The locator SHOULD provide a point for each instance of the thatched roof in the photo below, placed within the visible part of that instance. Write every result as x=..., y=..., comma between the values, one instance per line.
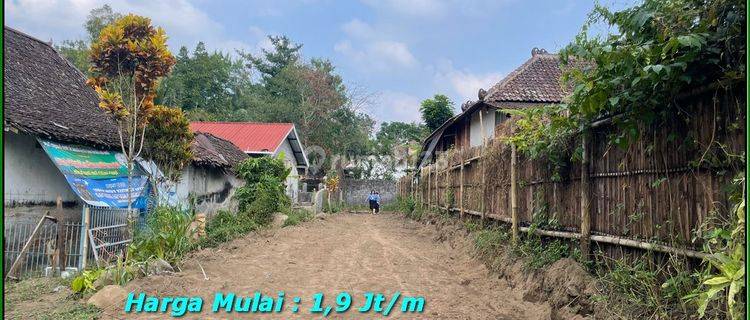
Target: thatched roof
x=48, y=97
x=212, y=151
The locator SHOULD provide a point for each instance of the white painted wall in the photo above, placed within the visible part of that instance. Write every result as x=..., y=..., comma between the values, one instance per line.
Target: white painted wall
x=211, y=186
x=475, y=127
x=292, y=182
x=30, y=175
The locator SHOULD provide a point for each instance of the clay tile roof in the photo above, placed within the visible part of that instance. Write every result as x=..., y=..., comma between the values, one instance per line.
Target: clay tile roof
x=210, y=150
x=48, y=97
x=537, y=80
x=250, y=137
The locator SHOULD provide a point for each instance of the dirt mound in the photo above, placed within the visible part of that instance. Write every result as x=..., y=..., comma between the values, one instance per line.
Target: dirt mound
x=565, y=284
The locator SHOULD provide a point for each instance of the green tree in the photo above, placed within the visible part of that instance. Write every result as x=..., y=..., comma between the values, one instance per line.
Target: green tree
x=77, y=51
x=202, y=80
x=436, y=111
x=169, y=141
x=99, y=18
x=127, y=62
x=271, y=62
x=396, y=133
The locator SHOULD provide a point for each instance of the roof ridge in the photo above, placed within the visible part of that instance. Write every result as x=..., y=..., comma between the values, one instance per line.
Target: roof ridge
x=513, y=74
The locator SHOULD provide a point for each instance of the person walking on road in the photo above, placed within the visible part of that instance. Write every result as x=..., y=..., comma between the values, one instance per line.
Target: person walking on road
x=374, y=200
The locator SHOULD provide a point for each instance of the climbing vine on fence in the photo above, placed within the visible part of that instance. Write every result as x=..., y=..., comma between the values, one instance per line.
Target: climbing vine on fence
x=659, y=50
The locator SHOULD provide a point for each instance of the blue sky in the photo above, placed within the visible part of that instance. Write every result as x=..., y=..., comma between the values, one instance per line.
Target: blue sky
x=400, y=51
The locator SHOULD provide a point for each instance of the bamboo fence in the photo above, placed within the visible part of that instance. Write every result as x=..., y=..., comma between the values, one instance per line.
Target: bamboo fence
x=655, y=195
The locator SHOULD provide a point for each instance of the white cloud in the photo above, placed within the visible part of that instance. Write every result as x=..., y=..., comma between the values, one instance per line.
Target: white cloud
x=396, y=106
x=462, y=82
x=372, y=51
x=358, y=29
x=411, y=8
x=436, y=9
x=60, y=20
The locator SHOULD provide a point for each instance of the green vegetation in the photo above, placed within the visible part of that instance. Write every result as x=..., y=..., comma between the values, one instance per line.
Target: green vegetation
x=165, y=236
x=264, y=191
x=226, y=226
x=168, y=141
x=297, y=216
x=436, y=111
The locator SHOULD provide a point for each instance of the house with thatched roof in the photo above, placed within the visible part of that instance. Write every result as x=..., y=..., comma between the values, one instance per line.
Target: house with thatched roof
x=48, y=103
x=209, y=182
x=45, y=97
x=537, y=82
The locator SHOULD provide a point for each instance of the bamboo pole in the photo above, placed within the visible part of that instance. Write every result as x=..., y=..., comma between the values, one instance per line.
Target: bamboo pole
x=513, y=195
x=461, y=187
x=610, y=239
x=429, y=186
x=86, y=226
x=61, y=260
x=585, y=193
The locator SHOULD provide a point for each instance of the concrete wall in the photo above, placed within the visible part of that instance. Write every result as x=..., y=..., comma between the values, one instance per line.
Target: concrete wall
x=30, y=175
x=210, y=188
x=292, y=182
x=32, y=182
x=475, y=127
x=355, y=191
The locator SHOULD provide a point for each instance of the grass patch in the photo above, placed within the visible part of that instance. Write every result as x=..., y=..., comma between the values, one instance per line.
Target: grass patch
x=297, y=216
x=226, y=226
x=35, y=298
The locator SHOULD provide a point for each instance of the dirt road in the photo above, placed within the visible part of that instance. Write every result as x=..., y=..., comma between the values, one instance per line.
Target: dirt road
x=346, y=252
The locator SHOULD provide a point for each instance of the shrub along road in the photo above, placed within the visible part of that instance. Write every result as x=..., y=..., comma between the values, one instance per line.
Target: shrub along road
x=345, y=252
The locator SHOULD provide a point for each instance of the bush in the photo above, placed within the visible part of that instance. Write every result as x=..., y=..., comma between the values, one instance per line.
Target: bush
x=297, y=216
x=225, y=226
x=264, y=189
x=166, y=236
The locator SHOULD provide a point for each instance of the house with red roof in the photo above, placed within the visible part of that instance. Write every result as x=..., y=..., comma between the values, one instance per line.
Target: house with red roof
x=264, y=139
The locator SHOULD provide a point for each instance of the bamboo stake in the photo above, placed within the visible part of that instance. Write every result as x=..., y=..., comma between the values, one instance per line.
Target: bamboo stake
x=461, y=187
x=585, y=193
x=61, y=260
x=513, y=193
x=86, y=226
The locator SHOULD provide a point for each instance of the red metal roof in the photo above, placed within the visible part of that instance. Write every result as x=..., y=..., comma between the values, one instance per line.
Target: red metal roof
x=250, y=137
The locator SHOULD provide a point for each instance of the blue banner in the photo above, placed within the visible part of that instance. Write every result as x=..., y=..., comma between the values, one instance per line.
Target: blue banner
x=98, y=177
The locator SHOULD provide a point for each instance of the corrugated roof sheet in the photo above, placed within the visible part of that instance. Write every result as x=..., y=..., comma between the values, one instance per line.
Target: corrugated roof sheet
x=250, y=137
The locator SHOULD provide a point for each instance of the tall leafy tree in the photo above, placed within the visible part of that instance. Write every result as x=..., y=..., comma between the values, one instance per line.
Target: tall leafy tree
x=436, y=111
x=77, y=51
x=202, y=80
x=127, y=62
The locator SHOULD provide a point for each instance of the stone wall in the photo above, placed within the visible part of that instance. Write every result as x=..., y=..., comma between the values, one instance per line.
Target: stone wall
x=355, y=191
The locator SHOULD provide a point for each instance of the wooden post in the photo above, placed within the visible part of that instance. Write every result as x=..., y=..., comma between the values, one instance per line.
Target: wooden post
x=60, y=262
x=484, y=166
x=513, y=195
x=585, y=193
x=86, y=226
x=429, y=186
x=461, y=187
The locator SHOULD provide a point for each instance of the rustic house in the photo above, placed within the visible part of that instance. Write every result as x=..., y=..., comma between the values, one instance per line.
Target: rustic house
x=46, y=97
x=210, y=181
x=536, y=82
x=264, y=139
